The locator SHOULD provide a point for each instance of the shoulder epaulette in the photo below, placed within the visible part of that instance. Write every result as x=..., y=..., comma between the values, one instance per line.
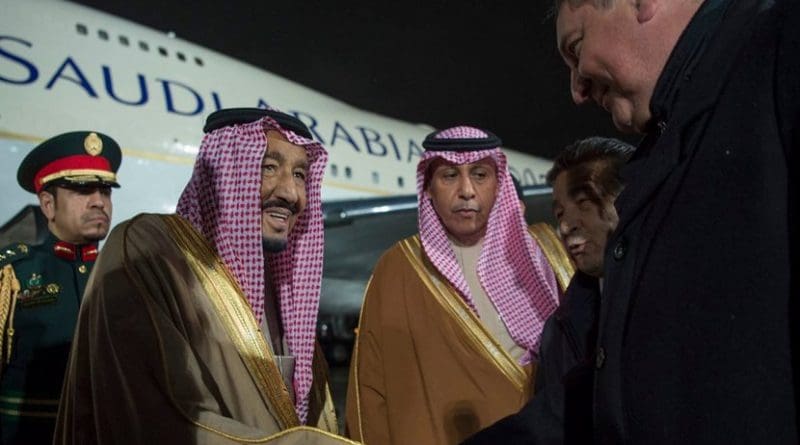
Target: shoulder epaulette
x=14, y=252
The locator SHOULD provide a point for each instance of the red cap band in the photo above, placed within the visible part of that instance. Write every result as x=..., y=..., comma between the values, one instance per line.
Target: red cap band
x=71, y=166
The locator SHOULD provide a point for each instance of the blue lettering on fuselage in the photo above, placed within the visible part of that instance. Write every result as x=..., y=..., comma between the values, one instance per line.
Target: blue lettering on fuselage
x=170, y=102
x=394, y=145
x=372, y=139
x=182, y=99
x=311, y=123
x=217, y=102
x=33, y=73
x=339, y=132
x=109, y=83
x=79, y=80
x=413, y=150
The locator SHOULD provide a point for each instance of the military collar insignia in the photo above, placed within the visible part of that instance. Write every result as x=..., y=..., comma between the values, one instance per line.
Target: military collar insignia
x=89, y=253
x=65, y=250
x=69, y=252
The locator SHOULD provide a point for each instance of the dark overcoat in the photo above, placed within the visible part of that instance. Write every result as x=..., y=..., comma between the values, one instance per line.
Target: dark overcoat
x=698, y=321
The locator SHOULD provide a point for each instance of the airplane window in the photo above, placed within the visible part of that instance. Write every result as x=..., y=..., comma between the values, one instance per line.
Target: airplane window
x=375, y=177
x=143, y=46
x=102, y=34
x=162, y=51
x=124, y=41
x=181, y=57
x=334, y=170
x=198, y=61
x=81, y=28
x=400, y=182
x=348, y=172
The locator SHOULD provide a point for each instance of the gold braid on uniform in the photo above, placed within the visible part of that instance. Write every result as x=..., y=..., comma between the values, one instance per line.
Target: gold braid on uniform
x=9, y=290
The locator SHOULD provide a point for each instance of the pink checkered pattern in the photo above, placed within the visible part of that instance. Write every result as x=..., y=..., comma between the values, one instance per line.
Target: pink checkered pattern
x=222, y=201
x=512, y=268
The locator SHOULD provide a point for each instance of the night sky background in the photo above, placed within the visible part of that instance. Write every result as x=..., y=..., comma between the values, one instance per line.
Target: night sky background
x=489, y=64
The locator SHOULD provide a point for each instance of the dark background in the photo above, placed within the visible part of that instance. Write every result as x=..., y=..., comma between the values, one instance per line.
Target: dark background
x=490, y=64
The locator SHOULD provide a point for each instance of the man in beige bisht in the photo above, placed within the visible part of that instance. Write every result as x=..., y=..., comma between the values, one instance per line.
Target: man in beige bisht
x=199, y=327
x=451, y=318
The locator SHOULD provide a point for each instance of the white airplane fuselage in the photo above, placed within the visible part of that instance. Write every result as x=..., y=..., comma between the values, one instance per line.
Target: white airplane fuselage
x=65, y=67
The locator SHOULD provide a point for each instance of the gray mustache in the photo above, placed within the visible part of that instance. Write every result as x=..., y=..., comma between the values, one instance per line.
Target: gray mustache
x=272, y=203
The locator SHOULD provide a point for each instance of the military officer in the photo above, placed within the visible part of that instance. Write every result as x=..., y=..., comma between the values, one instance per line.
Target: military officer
x=41, y=286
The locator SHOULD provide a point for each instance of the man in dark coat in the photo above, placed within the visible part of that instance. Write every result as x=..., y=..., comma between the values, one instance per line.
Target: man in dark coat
x=697, y=338
x=41, y=286
x=586, y=180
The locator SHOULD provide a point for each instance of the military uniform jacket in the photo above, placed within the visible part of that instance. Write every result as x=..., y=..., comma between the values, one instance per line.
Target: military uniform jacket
x=37, y=334
x=698, y=325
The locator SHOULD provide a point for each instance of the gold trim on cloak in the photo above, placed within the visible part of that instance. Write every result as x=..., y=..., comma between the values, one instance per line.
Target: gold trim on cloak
x=236, y=316
x=450, y=299
x=315, y=430
x=239, y=321
x=354, y=367
x=554, y=251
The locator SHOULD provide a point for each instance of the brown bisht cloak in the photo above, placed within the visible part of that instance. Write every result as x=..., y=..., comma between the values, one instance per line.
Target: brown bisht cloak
x=168, y=351
x=424, y=368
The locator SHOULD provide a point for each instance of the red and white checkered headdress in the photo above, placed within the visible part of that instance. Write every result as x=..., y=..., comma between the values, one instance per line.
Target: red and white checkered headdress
x=512, y=268
x=222, y=201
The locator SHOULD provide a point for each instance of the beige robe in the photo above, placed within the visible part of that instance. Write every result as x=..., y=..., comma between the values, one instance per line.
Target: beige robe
x=167, y=351
x=424, y=369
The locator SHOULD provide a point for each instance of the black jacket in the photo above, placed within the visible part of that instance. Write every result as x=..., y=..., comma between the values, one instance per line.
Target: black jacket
x=698, y=323
x=561, y=409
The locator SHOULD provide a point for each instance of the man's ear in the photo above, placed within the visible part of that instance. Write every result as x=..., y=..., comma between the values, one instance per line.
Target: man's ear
x=646, y=10
x=47, y=202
